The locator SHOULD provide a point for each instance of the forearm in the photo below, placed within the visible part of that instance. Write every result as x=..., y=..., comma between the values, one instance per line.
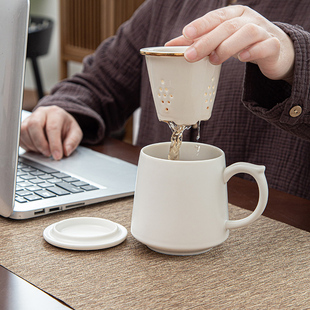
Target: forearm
x=284, y=105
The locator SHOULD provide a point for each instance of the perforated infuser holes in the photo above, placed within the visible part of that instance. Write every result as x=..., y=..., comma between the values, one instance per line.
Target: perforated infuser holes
x=209, y=94
x=165, y=96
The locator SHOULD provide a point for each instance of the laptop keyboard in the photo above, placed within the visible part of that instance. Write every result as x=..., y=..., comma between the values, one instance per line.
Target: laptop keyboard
x=36, y=182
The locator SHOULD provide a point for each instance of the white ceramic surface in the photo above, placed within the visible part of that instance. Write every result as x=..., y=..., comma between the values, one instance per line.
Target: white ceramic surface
x=183, y=92
x=181, y=206
x=85, y=233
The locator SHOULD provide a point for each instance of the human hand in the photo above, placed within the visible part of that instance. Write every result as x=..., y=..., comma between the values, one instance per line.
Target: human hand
x=240, y=32
x=51, y=131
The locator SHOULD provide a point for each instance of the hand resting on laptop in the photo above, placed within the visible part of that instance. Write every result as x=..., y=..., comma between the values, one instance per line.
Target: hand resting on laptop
x=51, y=131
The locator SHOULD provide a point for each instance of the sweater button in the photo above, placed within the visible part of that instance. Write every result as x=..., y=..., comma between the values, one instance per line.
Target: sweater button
x=295, y=111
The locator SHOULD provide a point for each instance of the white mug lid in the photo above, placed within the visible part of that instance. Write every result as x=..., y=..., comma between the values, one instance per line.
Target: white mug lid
x=85, y=233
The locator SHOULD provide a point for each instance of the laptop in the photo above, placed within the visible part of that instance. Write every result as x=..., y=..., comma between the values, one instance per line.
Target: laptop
x=32, y=185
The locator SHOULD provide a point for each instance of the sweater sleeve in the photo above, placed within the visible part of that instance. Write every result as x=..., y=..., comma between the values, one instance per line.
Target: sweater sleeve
x=284, y=105
x=107, y=92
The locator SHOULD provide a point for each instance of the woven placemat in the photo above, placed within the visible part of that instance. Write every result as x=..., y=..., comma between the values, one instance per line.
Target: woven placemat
x=263, y=266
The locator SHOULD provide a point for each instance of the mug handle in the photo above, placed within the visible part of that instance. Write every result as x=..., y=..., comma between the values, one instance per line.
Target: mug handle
x=257, y=172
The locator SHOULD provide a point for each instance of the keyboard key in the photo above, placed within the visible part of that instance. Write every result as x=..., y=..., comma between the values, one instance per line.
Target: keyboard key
x=33, y=197
x=20, y=199
x=33, y=188
x=46, y=185
x=36, y=181
x=89, y=187
x=19, y=173
x=54, y=180
x=18, y=188
x=45, y=194
x=58, y=191
x=60, y=175
x=24, y=193
x=23, y=184
x=70, y=179
x=27, y=177
x=36, y=172
x=28, y=169
x=79, y=183
x=45, y=176
x=69, y=187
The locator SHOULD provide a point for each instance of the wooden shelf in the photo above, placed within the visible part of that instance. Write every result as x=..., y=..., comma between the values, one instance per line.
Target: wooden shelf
x=84, y=24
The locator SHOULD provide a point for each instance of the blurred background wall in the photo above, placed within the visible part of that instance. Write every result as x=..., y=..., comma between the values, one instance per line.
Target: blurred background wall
x=49, y=64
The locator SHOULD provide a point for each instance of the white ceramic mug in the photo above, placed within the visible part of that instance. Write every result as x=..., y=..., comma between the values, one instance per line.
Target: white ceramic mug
x=181, y=206
x=183, y=92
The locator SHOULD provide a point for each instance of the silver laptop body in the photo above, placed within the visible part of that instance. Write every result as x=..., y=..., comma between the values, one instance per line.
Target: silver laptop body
x=107, y=177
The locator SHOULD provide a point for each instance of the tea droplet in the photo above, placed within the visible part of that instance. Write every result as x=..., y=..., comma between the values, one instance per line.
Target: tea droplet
x=198, y=131
x=197, y=149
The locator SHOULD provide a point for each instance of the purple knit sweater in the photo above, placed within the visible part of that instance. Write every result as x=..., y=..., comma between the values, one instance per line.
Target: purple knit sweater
x=251, y=116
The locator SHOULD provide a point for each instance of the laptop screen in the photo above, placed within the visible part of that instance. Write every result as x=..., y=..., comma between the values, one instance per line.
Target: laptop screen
x=14, y=16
